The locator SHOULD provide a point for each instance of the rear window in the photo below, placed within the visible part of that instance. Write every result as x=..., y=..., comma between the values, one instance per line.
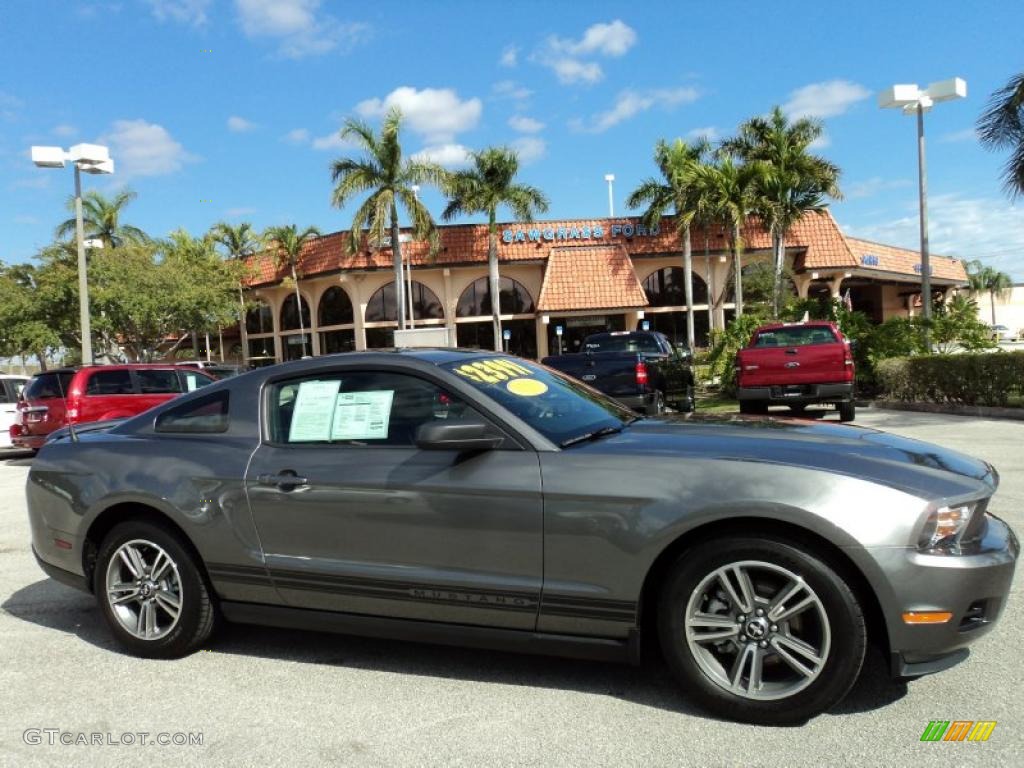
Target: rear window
x=797, y=336
x=47, y=385
x=154, y=382
x=624, y=343
x=201, y=416
x=110, y=383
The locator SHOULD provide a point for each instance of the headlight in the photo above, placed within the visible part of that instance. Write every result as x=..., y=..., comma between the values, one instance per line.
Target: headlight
x=944, y=529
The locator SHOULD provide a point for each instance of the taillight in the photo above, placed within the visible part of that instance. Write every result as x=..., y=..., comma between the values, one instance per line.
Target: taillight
x=641, y=373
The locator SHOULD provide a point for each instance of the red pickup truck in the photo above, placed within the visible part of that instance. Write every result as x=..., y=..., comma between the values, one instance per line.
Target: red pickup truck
x=796, y=364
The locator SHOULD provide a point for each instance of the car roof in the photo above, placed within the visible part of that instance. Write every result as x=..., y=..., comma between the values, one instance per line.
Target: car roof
x=808, y=324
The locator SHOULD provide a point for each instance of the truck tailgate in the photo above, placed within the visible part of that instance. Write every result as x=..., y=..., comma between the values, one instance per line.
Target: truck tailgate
x=807, y=364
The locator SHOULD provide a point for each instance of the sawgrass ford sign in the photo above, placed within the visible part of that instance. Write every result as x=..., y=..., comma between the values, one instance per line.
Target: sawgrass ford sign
x=530, y=234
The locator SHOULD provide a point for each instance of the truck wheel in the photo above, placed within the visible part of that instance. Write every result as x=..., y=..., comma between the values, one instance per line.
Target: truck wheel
x=688, y=404
x=658, y=406
x=760, y=630
x=847, y=411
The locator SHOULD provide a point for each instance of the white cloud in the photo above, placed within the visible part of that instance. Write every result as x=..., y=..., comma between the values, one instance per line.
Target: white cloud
x=510, y=89
x=447, y=155
x=236, y=213
x=967, y=134
x=435, y=113
x=298, y=25
x=708, y=133
x=144, y=149
x=239, y=124
x=10, y=106
x=25, y=218
x=296, y=136
x=529, y=148
x=827, y=99
x=871, y=187
x=821, y=142
x=182, y=11
x=509, y=56
x=989, y=229
x=525, y=124
x=565, y=56
x=630, y=103
x=331, y=141
x=64, y=130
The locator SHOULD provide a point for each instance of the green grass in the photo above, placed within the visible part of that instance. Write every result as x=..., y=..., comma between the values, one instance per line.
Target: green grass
x=713, y=402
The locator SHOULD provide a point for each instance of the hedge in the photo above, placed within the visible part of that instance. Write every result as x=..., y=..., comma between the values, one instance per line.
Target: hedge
x=966, y=379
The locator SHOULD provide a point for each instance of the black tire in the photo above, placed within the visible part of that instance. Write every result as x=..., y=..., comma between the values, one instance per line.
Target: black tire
x=847, y=411
x=658, y=406
x=843, y=616
x=753, y=406
x=197, y=613
x=798, y=409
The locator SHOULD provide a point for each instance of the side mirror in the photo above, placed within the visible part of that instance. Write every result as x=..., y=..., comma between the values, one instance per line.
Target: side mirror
x=462, y=436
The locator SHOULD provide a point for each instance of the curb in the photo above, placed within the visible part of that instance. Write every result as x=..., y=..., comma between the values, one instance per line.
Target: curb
x=977, y=411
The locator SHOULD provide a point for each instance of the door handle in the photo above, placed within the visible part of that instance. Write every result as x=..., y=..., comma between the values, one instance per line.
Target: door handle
x=286, y=480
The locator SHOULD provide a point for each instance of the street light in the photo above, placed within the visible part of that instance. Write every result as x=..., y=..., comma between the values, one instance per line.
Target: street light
x=913, y=100
x=412, y=320
x=610, y=178
x=91, y=158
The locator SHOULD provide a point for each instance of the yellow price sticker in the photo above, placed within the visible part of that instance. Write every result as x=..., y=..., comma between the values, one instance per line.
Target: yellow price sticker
x=492, y=371
x=526, y=387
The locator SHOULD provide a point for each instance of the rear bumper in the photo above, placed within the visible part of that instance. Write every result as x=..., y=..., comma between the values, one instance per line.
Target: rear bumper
x=638, y=402
x=59, y=574
x=30, y=442
x=839, y=392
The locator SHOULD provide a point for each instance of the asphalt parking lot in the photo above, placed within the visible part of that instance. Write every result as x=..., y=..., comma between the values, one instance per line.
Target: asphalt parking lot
x=272, y=697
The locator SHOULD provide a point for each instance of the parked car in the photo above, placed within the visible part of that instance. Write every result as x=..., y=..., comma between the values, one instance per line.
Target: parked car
x=640, y=369
x=1002, y=333
x=10, y=391
x=95, y=393
x=478, y=499
x=796, y=364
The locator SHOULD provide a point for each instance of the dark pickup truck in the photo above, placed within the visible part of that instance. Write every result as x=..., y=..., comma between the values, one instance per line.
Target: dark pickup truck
x=640, y=369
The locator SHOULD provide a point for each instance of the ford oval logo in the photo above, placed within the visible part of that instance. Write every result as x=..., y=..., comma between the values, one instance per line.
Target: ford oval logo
x=589, y=377
x=792, y=365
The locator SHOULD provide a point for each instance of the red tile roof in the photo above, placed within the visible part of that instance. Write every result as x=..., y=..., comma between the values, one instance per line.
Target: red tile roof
x=888, y=258
x=590, y=277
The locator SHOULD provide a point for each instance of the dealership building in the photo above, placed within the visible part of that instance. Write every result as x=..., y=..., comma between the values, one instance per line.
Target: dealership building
x=560, y=280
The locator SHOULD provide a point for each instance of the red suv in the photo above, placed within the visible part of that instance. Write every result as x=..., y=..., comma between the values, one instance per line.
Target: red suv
x=52, y=399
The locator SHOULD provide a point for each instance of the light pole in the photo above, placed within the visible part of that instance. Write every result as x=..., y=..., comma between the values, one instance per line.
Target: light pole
x=90, y=158
x=916, y=101
x=610, y=178
x=412, y=320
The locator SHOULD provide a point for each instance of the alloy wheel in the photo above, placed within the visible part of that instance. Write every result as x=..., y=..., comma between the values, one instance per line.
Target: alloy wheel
x=143, y=588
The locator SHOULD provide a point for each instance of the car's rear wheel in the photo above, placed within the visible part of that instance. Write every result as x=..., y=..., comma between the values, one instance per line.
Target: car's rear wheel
x=761, y=630
x=657, y=407
x=847, y=411
x=151, y=591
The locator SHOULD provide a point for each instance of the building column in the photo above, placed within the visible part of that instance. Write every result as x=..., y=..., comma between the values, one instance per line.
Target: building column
x=542, y=337
x=314, y=335
x=275, y=306
x=451, y=303
x=803, y=284
x=835, y=285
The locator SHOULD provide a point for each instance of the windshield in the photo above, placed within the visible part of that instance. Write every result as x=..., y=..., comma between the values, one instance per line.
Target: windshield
x=560, y=408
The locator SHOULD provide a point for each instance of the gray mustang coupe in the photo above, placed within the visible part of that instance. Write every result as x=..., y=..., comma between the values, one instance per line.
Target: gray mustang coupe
x=472, y=498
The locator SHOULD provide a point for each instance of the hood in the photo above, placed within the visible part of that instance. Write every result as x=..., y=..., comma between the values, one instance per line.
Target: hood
x=913, y=466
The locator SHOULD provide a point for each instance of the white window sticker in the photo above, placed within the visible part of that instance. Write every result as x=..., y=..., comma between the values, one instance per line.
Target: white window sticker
x=314, y=408
x=362, y=415
x=190, y=382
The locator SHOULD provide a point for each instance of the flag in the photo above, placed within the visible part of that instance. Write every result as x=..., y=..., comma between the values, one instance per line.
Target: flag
x=847, y=301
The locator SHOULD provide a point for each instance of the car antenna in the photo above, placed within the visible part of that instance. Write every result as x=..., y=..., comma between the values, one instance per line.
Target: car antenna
x=64, y=399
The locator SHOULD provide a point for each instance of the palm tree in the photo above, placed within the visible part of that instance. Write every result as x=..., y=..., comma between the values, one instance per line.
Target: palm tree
x=101, y=217
x=239, y=241
x=795, y=182
x=288, y=242
x=1002, y=125
x=983, y=278
x=490, y=183
x=730, y=194
x=390, y=181
x=676, y=189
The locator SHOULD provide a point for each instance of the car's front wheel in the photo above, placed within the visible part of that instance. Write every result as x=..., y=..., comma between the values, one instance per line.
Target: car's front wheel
x=151, y=591
x=761, y=630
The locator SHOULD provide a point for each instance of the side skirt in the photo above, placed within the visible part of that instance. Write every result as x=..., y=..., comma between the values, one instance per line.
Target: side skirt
x=464, y=635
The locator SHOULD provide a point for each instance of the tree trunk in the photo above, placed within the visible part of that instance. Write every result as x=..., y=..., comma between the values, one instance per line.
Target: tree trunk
x=396, y=250
x=778, y=243
x=195, y=345
x=688, y=287
x=41, y=357
x=737, y=269
x=712, y=296
x=298, y=307
x=992, y=302
x=494, y=282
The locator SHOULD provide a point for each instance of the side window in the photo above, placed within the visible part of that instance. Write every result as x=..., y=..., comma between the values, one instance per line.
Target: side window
x=157, y=382
x=192, y=381
x=7, y=394
x=110, y=383
x=200, y=416
x=359, y=408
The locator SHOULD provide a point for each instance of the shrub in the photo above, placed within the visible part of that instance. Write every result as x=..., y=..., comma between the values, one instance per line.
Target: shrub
x=967, y=379
x=725, y=345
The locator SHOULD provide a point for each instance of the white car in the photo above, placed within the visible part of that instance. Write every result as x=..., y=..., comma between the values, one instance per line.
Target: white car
x=1002, y=333
x=10, y=389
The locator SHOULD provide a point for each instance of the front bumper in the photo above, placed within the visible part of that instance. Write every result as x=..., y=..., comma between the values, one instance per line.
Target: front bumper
x=973, y=588
x=839, y=392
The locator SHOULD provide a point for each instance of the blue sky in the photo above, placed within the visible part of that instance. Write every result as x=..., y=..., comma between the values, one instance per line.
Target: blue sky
x=230, y=109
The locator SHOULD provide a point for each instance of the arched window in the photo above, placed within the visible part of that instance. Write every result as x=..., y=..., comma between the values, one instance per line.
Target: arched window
x=335, y=308
x=260, y=319
x=476, y=299
x=381, y=307
x=665, y=288
x=290, y=318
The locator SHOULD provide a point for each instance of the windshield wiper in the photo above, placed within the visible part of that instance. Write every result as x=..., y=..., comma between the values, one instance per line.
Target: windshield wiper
x=590, y=436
